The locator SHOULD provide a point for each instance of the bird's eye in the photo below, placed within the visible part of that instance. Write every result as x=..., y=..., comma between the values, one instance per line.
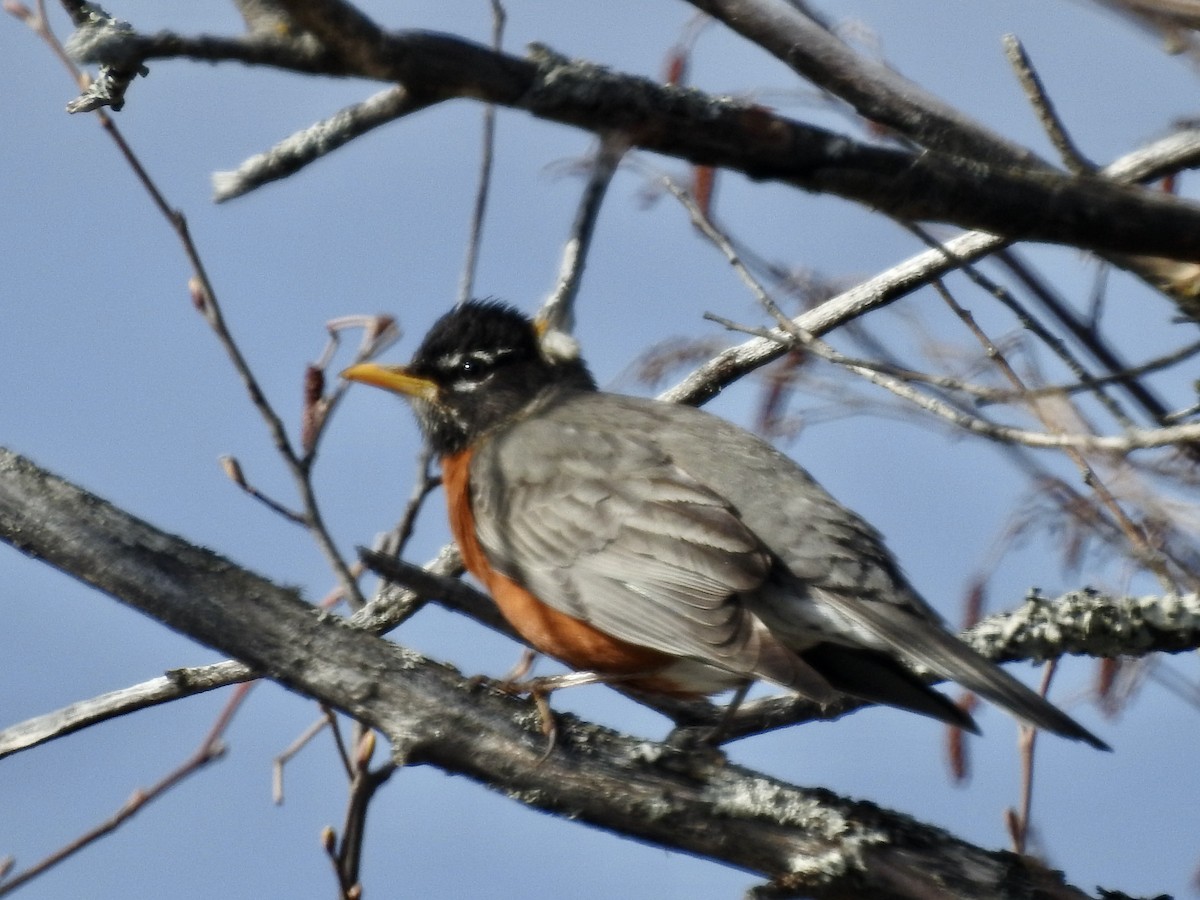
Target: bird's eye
x=467, y=369
x=470, y=369
x=473, y=367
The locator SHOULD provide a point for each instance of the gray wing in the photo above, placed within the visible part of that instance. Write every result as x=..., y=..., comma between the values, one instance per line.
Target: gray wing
x=823, y=546
x=598, y=522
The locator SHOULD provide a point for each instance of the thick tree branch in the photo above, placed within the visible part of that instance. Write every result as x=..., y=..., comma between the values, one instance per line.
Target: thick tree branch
x=1090, y=623
x=807, y=841
x=876, y=92
x=1020, y=203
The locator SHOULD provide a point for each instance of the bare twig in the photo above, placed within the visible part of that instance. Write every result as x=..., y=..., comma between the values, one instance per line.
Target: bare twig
x=233, y=470
x=1083, y=332
x=985, y=394
x=466, y=284
x=211, y=748
x=392, y=543
x=364, y=782
x=1186, y=413
x=424, y=484
x=285, y=756
x=205, y=300
x=1019, y=818
x=1139, y=439
x=1056, y=344
x=1044, y=107
x=175, y=685
x=557, y=314
x=316, y=141
x=877, y=92
x=1125, y=376
x=1138, y=540
x=378, y=332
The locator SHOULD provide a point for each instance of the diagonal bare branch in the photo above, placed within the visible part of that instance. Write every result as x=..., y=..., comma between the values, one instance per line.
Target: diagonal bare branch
x=1177, y=150
x=876, y=92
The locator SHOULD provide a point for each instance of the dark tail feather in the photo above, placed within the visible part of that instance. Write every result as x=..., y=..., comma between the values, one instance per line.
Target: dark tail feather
x=873, y=676
x=941, y=652
x=988, y=680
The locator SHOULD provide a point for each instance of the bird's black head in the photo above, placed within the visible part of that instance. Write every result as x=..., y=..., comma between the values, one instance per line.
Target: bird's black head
x=480, y=365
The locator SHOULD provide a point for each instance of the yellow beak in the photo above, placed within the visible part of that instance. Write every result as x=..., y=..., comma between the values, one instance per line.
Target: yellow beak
x=396, y=379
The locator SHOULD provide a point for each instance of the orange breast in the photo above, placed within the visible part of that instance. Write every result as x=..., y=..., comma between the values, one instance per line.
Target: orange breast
x=554, y=633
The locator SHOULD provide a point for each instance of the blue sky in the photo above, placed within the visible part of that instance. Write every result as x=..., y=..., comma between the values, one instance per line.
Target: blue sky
x=112, y=380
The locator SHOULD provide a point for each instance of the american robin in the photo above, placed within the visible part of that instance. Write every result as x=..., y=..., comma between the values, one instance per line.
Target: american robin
x=664, y=546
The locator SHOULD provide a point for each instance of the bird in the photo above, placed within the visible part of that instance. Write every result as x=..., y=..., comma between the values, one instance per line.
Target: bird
x=663, y=546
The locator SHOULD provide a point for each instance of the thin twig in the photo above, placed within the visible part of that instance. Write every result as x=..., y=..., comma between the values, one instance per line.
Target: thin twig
x=285, y=756
x=211, y=748
x=1082, y=331
x=339, y=742
x=175, y=685
x=392, y=543
x=1138, y=439
x=1070, y=154
x=1056, y=345
x=1167, y=155
x=1123, y=377
x=233, y=470
x=364, y=782
x=1186, y=413
x=466, y=284
x=205, y=299
x=1138, y=541
x=378, y=332
x=296, y=464
x=316, y=141
x=1019, y=819
x=558, y=312
x=1186, y=688
x=423, y=485
x=984, y=394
